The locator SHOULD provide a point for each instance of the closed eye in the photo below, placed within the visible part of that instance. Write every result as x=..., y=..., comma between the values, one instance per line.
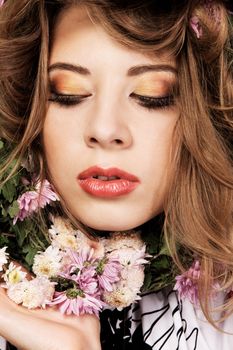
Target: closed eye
x=149, y=102
x=153, y=103
x=66, y=100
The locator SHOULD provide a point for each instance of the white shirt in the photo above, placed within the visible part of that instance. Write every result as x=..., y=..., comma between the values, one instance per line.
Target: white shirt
x=171, y=324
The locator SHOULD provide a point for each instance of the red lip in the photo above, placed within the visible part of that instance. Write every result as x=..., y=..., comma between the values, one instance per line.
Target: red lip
x=124, y=184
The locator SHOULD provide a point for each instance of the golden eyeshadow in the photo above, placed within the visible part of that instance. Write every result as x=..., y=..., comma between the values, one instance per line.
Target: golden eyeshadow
x=67, y=85
x=154, y=86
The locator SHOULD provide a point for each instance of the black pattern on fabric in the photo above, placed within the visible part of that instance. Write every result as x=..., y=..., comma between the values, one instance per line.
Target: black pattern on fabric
x=153, y=323
x=115, y=331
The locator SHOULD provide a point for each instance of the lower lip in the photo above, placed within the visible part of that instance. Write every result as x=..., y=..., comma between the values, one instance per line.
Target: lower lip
x=107, y=189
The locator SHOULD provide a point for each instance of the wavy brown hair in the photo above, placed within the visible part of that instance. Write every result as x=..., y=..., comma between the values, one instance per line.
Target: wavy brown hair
x=198, y=207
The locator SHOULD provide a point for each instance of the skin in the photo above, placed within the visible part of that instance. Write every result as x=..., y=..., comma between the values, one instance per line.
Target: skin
x=32, y=329
x=109, y=129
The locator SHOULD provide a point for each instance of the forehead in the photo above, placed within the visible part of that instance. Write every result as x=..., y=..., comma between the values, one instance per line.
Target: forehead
x=77, y=36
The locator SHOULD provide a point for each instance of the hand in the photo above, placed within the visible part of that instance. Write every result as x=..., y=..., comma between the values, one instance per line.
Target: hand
x=46, y=329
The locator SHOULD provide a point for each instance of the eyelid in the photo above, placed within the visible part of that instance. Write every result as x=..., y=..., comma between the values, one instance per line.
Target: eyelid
x=136, y=96
x=65, y=89
x=69, y=95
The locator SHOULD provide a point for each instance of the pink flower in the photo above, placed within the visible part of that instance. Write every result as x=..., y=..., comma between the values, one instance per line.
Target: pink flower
x=31, y=201
x=108, y=272
x=195, y=24
x=81, y=261
x=81, y=270
x=186, y=284
x=1, y=2
x=213, y=11
x=75, y=301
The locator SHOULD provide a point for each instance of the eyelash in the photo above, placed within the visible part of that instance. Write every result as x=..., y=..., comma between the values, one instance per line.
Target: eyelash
x=148, y=102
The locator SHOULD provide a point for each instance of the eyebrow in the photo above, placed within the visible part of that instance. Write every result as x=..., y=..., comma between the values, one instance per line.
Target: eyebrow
x=133, y=71
x=137, y=70
x=70, y=67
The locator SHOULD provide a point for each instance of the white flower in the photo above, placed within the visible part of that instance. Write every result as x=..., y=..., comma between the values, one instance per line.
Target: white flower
x=32, y=294
x=134, y=278
x=121, y=296
x=64, y=236
x=64, y=240
x=125, y=291
x=60, y=225
x=127, y=239
x=3, y=257
x=47, y=263
x=14, y=274
x=16, y=291
x=130, y=256
x=38, y=293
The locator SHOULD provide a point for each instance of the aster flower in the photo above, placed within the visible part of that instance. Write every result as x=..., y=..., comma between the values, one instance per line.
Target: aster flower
x=81, y=260
x=213, y=11
x=127, y=289
x=134, y=278
x=30, y=201
x=3, y=257
x=81, y=269
x=79, y=281
x=15, y=291
x=120, y=297
x=39, y=292
x=128, y=256
x=14, y=274
x=64, y=236
x=108, y=272
x=76, y=301
x=187, y=283
x=119, y=240
x=47, y=263
x=32, y=294
x=195, y=25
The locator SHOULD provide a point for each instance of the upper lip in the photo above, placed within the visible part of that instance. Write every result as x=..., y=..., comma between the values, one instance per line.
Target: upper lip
x=97, y=171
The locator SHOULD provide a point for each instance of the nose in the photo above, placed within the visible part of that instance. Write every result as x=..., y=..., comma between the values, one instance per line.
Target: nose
x=108, y=128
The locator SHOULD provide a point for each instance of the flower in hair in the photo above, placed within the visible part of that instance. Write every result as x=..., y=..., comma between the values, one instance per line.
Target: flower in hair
x=187, y=283
x=195, y=24
x=212, y=10
x=1, y=2
x=30, y=201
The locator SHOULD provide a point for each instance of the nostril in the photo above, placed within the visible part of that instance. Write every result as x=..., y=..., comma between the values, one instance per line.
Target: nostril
x=93, y=140
x=118, y=141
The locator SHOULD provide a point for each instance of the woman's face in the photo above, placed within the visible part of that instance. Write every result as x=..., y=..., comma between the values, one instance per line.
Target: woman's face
x=108, y=129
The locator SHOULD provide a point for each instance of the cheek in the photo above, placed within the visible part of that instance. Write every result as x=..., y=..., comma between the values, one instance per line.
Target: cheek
x=59, y=139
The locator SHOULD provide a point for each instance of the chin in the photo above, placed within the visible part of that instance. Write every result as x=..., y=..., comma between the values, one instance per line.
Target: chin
x=114, y=225
x=108, y=217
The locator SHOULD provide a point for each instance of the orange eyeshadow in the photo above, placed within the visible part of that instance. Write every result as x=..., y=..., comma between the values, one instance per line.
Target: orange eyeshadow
x=157, y=85
x=65, y=84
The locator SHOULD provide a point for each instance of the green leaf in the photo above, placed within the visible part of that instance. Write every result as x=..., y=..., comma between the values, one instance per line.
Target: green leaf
x=13, y=209
x=9, y=191
x=4, y=212
x=164, y=250
x=22, y=231
x=1, y=144
x=30, y=256
x=3, y=241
